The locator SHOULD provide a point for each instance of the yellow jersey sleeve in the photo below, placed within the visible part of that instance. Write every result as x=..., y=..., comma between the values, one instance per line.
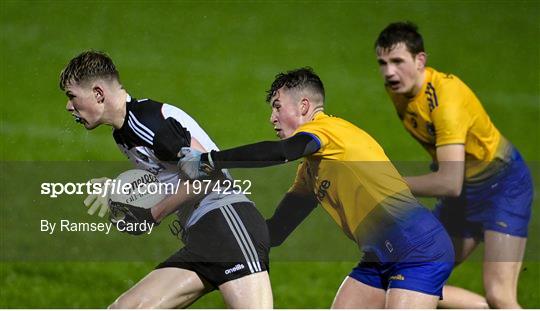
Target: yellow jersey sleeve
x=449, y=114
x=326, y=133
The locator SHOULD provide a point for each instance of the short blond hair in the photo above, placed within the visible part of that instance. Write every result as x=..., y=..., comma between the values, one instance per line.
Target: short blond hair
x=87, y=66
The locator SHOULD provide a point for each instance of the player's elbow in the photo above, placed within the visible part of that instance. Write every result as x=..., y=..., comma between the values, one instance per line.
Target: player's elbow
x=276, y=239
x=450, y=182
x=276, y=242
x=275, y=235
x=454, y=192
x=453, y=189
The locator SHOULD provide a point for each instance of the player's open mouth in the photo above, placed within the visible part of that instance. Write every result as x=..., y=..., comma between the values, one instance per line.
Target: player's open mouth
x=277, y=131
x=78, y=119
x=392, y=83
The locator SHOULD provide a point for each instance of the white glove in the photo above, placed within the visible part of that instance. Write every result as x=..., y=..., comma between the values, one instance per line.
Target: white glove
x=98, y=201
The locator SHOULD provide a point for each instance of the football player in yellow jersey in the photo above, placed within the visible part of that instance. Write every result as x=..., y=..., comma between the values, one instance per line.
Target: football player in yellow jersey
x=484, y=187
x=408, y=255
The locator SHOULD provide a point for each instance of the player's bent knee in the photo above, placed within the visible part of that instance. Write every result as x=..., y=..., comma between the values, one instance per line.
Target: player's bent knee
x=128, y=301
x=501, y=300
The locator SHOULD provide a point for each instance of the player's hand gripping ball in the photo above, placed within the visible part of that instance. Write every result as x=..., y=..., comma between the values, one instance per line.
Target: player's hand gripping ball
x=132, y=195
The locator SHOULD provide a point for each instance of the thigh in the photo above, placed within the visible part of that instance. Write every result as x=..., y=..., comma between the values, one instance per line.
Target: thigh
x=249, y=292
x=353, y=294
x=501, y=247
x=164, y=288
x=460, y=298
x=503, y=254
x=463, y=247
x=398, y=298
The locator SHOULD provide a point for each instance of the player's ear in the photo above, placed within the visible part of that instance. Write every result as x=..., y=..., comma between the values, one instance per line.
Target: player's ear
x=98, y=93
x=421, y=59
x=304, y=106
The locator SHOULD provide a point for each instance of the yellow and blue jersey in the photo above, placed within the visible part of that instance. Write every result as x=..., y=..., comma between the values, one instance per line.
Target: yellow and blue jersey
x=357, y=185
x=445, y=112
x=497, y=193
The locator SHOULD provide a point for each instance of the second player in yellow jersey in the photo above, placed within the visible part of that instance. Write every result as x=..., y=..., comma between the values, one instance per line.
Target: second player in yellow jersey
x=408, y=255
x=483, y=185
x=350, y=174
x=445, y=111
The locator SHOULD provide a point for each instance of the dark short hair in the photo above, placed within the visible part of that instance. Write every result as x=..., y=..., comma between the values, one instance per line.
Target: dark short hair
x=297, y=79
x=86, y=66
x=401, y=32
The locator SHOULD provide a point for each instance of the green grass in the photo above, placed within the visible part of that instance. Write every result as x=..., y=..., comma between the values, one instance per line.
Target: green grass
x=215, y=59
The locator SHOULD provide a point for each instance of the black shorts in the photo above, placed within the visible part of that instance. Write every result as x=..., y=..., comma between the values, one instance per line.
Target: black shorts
x=227, y=243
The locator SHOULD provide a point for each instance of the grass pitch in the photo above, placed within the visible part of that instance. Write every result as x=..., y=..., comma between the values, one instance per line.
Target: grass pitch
x=215, y=60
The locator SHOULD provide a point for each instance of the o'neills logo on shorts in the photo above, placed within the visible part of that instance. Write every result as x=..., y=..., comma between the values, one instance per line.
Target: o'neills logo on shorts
x=238, y=267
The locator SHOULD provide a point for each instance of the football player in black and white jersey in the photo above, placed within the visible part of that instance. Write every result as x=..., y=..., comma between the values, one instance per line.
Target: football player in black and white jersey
x=226, y=238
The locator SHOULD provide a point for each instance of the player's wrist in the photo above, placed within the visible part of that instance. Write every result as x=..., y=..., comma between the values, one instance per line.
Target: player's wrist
x=210, y=160
x=154, y=216
x=207, y=161
x=204, y=159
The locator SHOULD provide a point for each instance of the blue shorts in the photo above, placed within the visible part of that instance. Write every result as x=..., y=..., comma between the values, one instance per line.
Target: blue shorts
x=425, y=268
x=502, y=203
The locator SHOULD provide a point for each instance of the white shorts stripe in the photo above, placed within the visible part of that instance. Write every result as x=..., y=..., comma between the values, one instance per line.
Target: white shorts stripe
x=248, y=238
x=237, y=239
x=249, y=251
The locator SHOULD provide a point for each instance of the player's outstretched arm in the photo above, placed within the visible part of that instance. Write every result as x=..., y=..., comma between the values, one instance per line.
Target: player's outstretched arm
x=291, y=211
x=266, y=153
x=447, y=181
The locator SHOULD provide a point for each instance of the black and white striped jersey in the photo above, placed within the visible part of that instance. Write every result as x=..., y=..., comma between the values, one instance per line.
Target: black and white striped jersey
x=135, y=139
